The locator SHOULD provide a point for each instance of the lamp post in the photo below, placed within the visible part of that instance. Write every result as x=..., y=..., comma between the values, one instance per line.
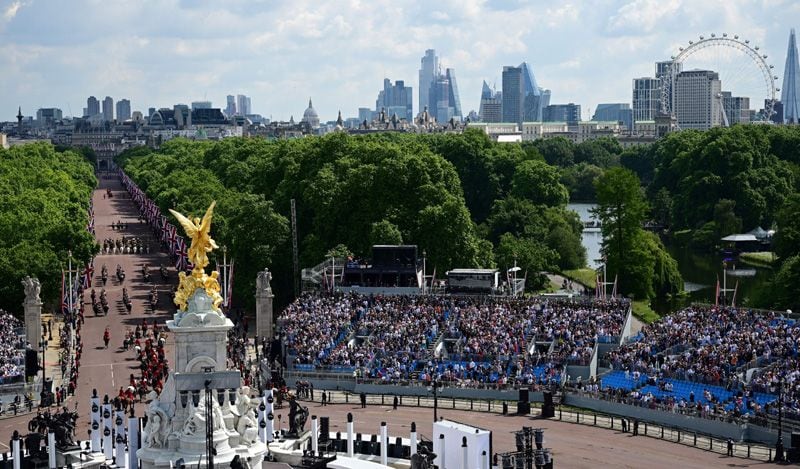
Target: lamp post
x=435, y=390
x=779, y=444
x=424, y=279
x=225, y=276
x=43, y=348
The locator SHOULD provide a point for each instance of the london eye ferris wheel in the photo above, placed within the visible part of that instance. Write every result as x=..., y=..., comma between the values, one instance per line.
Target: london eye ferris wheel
x=742, y=68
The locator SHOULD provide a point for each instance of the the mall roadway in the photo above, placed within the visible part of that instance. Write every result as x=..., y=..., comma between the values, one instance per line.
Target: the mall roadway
x=109, y=369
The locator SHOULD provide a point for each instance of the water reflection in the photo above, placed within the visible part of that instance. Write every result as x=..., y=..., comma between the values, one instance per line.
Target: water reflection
x=699, y=269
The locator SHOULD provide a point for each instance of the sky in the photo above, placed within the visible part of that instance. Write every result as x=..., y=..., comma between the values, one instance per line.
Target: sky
x=158, y=53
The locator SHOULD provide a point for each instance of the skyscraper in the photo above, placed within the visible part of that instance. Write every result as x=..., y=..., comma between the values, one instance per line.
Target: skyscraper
x=664, y=74
x=92, y=106
x=697, y=99
x=396, y=99
x=491, y=109
x=230, y=109
x=532, y=95
x=439, y=99
x=454, y=100
x=123, y=110
x=243, y=105
x=791, y=84
x=108, y=109
x=513, y=92
x=427, y=73
x=646, y=98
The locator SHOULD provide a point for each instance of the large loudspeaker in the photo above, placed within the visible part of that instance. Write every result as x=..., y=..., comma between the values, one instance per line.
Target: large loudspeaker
x=795, y=439
x=31, y=362
x=523, y=407
x=524, y=395
x=548, y=409
x=324, y=429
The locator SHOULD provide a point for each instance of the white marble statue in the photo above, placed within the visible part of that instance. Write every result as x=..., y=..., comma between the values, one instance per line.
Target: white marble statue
x=157, y=428
x=246, y=423
x=32, y=289
x=262, y=281
x=196, y=423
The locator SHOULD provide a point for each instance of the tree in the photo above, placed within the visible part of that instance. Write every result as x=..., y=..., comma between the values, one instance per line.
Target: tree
x=786, y=242
x=556, y=151
x=539, y=182
x=531, y=256
x=621, y=209
x=385, y=232
x=725, y=218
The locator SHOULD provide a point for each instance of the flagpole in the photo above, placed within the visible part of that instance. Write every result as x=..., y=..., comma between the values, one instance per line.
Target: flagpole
x=69, y=277
x=225, y=275
x=725, y=283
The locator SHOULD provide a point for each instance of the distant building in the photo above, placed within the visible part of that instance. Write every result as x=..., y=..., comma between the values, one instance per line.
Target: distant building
x=365, y=114
x=92, y=107
x=108, y=109
x=491, y=108
x=533, y=98
x=615, y=112
x=429, y=67
x=777, y=110
x=243, y=105
x=697, y=99
x=206, y=116
x=569, y=113
x=310, y=116
x=453, y=98
x=201, y=105
x=664, y=73
x=791, y=83
x=47, y=117
x=123, y=110
x=230, y=109
x=396, y=99
x=646, y=98
x=513, y=91
x=737, y=109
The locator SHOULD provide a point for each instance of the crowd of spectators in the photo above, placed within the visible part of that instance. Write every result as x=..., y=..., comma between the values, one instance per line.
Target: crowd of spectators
x=12, y=348
x=484, y=340
x=710, y=349
x=709, y=345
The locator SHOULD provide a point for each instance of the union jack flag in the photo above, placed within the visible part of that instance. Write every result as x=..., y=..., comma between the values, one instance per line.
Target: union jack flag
x=87, y=275
x=180, y=251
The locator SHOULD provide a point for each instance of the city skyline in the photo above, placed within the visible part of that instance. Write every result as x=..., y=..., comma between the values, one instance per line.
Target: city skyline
x=280, y=53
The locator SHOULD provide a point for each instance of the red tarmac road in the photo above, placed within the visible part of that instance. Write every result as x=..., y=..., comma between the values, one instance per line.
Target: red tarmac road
x=573, y=445
x=109, y=369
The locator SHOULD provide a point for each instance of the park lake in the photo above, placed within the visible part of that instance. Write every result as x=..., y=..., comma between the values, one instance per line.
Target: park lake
x=700, y=270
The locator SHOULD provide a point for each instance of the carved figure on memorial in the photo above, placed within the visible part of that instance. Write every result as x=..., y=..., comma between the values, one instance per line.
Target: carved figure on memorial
x=157, y=428
x=32, y=289
x=246, y=423
x=262, y=281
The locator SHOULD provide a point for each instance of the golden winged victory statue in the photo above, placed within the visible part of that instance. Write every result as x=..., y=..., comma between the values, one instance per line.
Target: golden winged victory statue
x=200, y=233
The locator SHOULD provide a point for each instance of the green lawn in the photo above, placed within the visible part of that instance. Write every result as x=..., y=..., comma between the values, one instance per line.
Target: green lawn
x=642, y=311
x=765, y=259
x=583, y=276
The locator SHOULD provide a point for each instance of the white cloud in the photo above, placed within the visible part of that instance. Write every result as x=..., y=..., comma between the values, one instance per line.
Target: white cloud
x=11, y=11
x=642, y=15
x=281, y=51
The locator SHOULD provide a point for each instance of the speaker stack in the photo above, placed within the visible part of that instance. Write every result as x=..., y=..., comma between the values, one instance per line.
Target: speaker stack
x=548, y=409
x=524, y=402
